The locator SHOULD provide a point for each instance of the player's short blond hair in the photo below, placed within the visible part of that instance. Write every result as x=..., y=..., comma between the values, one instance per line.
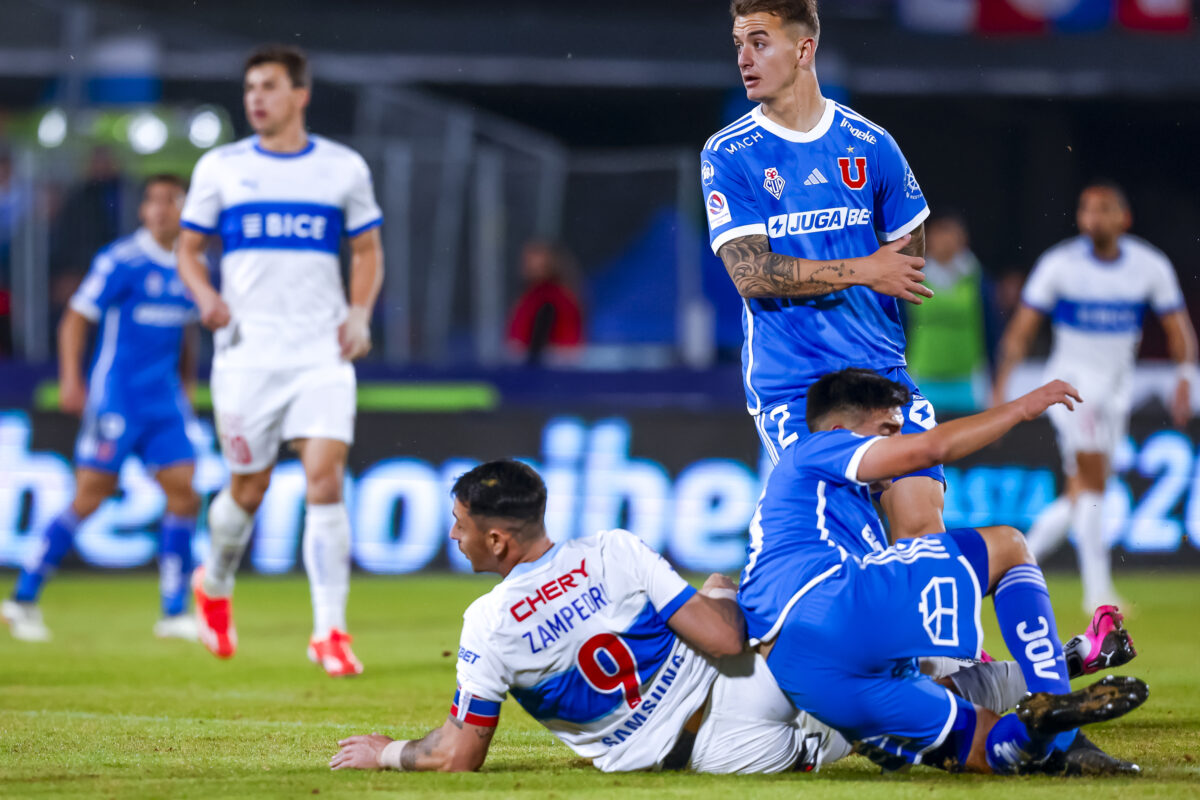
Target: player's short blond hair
x=802, y=12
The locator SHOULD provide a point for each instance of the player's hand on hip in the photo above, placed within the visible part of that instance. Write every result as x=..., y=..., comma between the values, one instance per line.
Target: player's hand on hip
x=897, y=274
x=1033, y=404
x=354, y=334
x=214, y=313
x=72, y=396
x=360, y=752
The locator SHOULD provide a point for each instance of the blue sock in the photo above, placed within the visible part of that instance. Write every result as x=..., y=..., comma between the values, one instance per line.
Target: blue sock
x=1010, y=747
x=175, y=562
x=1030, y=632
x=55, y=542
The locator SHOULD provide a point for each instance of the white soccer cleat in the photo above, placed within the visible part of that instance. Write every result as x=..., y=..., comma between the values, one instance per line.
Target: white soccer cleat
x=180, y=626
x=25, y=621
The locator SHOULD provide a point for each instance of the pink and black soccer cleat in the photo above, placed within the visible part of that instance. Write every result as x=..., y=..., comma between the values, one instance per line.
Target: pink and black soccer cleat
x=333, y=653
x=1105, y=644
x=214, y=619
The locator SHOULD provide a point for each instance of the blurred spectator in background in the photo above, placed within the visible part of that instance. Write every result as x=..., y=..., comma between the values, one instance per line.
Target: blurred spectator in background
x=946, y=350
x=90, y=217
x=546, y=323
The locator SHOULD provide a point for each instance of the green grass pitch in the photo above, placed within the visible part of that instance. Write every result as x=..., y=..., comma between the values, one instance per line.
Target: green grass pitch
x=105, y=710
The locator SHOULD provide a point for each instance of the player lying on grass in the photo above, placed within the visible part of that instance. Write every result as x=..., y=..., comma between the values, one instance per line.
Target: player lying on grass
x=597, y=638
x=819, y=581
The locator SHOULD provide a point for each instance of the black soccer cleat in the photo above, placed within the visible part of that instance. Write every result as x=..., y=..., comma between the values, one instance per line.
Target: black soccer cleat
x=1047, y=714
x=1084, y=758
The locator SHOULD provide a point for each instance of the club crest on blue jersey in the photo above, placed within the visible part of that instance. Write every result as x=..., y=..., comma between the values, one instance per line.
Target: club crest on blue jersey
x=912, y=189
x=854, y=176
x=773, y=183
x=707, y=172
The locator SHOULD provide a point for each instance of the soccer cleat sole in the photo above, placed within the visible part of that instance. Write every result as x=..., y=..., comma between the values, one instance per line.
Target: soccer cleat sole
x=1084, y=759
x=1047, y=714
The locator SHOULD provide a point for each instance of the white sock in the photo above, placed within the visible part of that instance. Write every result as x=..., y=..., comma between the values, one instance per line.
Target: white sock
x=1094, y=564
x=229, y=528
x=1050, y=528
x=327, y=561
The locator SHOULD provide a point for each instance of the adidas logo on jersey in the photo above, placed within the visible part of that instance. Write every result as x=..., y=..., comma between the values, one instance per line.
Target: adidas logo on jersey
x=815, y=177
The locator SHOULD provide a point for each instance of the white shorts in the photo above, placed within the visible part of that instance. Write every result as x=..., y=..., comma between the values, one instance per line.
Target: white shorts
x=751, y=727
x=256, y=410
x=1097, y=425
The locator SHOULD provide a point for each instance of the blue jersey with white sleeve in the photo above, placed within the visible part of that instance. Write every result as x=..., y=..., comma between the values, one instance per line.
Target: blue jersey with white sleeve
x=813, y=515
x=830, y=193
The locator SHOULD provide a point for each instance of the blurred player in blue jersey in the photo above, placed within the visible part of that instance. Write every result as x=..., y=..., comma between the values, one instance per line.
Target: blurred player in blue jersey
x=844, y=618
x=281, y=203
x=132, y=404
x=1096, y=287
x=799, y=194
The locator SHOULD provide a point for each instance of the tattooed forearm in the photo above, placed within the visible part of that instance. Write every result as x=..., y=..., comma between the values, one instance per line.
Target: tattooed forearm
x=757, y=272
x=916, y=247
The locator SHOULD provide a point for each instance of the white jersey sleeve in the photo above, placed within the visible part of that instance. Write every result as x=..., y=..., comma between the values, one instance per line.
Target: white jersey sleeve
x=1165, y=294
x=666, y=590
x=362, y=211
x=1041, y=290
x=202, y=209
x=480, y=671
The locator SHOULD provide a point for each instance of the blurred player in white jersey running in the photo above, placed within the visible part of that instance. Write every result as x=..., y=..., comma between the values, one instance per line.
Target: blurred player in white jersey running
x=281, y=202
x=1095, y=288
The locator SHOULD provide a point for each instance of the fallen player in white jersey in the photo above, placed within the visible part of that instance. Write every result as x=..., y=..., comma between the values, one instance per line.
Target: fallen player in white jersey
x=602, y=642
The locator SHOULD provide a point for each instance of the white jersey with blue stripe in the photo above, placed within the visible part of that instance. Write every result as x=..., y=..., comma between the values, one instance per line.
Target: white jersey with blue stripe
x=813, y=515
x=134, y=294
x=580, y=639
x=1096, y=306
x=830, y=193
x=281, y=219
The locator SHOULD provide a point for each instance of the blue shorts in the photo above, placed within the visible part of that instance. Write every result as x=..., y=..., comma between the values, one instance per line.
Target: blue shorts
x=782, y=424
x=847, y=651
x=109, y=436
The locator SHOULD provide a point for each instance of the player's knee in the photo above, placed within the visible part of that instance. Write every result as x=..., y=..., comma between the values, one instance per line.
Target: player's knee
x=248, y=490
x=183, y=501
x=324, y=487
x=1007, y=548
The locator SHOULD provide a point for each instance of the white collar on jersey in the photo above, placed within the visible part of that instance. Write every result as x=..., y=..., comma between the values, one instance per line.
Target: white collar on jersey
x=153, y=250
x=529, y=566
x=819, y=130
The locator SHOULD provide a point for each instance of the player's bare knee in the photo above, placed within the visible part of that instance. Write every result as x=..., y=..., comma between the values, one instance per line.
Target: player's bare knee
x=324, y=488
x=1007, y=548
x=183, y=501
x=248, y=490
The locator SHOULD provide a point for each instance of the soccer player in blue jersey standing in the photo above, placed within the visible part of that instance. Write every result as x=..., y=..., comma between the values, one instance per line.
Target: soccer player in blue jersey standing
x=799, y=194
x=819, y=580
x=132, y=404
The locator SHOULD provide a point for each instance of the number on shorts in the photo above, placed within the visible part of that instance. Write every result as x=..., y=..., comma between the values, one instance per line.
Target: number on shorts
x=781, y=415
x=602, y=676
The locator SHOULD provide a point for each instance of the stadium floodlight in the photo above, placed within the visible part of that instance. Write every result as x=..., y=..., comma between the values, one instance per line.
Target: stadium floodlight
x=147, y=133
x=52, y=130
x=204, y=128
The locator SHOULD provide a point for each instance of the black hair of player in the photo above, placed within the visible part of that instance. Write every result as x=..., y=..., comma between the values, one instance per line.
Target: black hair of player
x=505, y=490
x=291, y=58
x=1106, y=185
x=853, y=390
x=802, y=12
x=168, y=178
